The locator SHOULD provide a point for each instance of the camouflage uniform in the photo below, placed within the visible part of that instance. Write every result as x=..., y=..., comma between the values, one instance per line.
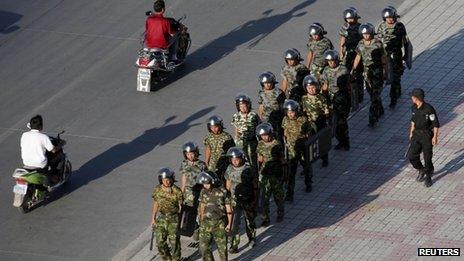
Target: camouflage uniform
x=192, y=189
x=272, y=101
x=243, y=197
x=247, y=141
x=373, y=75
x=294, y=75
x=318, y=49
x=167, y=222
x=218, y=144
x=214, y=222
x=316, y=109
x=352, y=36
x=392, y=37
x=338, y=80
x=296, y=132
x=270, y=176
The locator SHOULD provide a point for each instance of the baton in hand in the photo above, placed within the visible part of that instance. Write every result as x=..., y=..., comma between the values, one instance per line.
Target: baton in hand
x=407, y=151
x=152, y=237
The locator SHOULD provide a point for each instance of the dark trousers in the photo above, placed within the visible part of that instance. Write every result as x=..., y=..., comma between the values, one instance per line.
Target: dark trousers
x=321, y=123
x=307, y=172
x=340, y=120
x=421, y=142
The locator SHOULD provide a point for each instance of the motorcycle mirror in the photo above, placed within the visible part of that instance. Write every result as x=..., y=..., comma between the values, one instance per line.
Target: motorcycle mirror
x=182, y=18
x=148, y=13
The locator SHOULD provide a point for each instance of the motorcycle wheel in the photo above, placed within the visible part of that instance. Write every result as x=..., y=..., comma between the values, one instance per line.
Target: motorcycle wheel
x=25, y=207
x=67, y=171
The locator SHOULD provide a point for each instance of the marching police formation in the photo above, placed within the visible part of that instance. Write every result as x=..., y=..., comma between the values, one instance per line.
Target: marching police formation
x=259, y=159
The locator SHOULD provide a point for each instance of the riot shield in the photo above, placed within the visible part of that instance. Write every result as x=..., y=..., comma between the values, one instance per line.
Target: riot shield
x=319, y=144
x=236, y=218
x=389, y=71
x=408, y=51
x=187, y=220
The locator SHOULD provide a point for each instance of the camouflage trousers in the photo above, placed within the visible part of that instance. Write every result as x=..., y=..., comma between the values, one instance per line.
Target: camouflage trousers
x=249, y=147
x=272, y=186
x=166, y=231
x=213, y=229
x=357, y=79
x=395, y=59
x=373, y=77
x=248, y=211
x=316, y=70
x=191, y=197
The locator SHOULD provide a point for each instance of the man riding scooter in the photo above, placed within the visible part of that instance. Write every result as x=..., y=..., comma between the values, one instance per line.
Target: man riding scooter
x=39, y=154
x=162, y=32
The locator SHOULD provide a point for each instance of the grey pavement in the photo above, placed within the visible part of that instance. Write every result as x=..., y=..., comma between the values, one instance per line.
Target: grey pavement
x=72, y=62
x=367, y=204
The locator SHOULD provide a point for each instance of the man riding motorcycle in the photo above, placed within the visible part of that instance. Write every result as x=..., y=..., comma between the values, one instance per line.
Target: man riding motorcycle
x=161, y=32
x=34, y=148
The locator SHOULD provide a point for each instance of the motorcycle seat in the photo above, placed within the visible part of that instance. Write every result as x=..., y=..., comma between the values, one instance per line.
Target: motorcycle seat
x=20, y=172
x=159, y=50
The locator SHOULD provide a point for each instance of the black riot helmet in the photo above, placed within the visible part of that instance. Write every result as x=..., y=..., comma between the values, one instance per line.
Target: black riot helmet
x=389, y=12
x=311, y=80
x=367, y=28
x=242, y=98
x=235, y=152
x=331, y=55
x=166, y=173
x=292, y=54
x=350, y=12
x=291, y=105
x=316, y=29
x=264, y=128
x=267, y=77
x=190, y=146
x=207, y=177
x=214, y=120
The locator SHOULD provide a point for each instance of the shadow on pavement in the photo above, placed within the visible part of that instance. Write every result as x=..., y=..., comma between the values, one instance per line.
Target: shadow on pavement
x=254, y=30
x=342, y=195
x=123, y=153
x=7, y=21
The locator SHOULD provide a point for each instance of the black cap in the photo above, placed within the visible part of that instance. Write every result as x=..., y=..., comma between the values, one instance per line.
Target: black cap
x=418, y=93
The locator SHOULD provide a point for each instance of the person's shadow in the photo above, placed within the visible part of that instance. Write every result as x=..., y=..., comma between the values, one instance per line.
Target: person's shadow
x=450, y=167
x=123, y=153
x=7, y=21
x=254, y=30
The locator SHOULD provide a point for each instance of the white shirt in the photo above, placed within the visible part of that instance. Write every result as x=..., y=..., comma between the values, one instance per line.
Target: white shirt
x=33, y=147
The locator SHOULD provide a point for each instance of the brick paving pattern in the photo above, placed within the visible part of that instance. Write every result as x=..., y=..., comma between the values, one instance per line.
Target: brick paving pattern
x=367, y=205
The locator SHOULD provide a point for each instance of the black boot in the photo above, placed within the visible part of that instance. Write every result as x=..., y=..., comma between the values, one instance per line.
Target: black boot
x=393, y=102
x=420, y=175
x=428, y=180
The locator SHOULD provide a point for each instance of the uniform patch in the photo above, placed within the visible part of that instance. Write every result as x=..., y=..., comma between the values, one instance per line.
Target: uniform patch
x=432, y=117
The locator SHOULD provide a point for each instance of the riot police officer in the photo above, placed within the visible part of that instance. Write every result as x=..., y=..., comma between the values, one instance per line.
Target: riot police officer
x=349, y=39
x=335, y=80
x=270, y=100
x=372, y=54
x=393, y=35
x=293, y=73
x=317, y=45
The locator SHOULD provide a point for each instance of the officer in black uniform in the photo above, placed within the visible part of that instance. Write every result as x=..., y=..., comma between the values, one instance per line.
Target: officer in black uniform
x=423, y=136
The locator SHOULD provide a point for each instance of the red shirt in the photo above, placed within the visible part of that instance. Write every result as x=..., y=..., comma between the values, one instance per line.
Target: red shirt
x=157, y=31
